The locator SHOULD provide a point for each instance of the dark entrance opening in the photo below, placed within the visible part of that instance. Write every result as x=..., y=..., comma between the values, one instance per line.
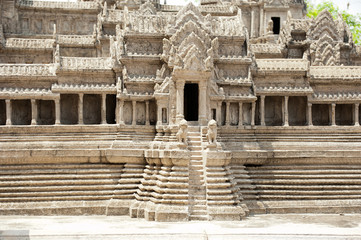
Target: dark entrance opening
x=276, y=25
x=191, y=102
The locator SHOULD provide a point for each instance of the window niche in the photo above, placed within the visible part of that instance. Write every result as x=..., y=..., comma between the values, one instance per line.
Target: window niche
x=320, y=114
x=276, y=25
x=46, y=112
x=344, y=114
x=297, y=108
x=273, y=110
x=21, y=112
x=69, y=108
x=110, y=108
x=2, y=112
x=247, y=113
x=92, y=109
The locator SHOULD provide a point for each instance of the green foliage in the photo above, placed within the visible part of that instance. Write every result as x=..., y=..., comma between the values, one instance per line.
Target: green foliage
x=353, y=21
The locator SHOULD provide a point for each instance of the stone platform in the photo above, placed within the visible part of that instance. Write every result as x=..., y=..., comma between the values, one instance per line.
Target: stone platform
x=286, y=226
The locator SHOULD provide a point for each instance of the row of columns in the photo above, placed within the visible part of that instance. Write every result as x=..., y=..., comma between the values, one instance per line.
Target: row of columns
x=309, y=112
x=120, y=115
x=102, y=111
x=34, y=111
x=333, y=114
x=240, y=112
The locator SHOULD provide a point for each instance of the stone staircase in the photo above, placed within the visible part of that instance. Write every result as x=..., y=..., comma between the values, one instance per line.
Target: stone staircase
x=68, y=182
x=306, y=188
x=197, y=188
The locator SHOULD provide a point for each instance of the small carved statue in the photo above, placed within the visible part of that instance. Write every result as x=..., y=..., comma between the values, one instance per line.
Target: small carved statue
x=182, y=132
x=212, y=132
x=270, y=27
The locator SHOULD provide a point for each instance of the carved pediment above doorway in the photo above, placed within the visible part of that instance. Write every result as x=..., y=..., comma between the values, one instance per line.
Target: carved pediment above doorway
x=191, y=46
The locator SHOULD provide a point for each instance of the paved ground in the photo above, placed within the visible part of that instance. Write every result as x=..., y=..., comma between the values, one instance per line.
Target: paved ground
x=270, y=227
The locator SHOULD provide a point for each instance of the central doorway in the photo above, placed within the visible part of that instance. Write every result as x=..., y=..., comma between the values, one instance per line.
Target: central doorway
x=191, y=101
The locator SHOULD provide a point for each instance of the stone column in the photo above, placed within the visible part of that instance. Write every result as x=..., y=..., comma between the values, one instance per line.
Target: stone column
x=240, y=114
x=261, y=15
x=356, y=114
x=104, y=109
x=180, y=100
x=159, y=112
x=219, y=113
x=120, y=112
x=80, y=109
x=309, y=108
x=253, y=22
x=147, y=113
x=202, y=103
x=333, y=114
x=134, y=119
x=8, y=112
x=253, y=113
x=262, y=111
x=285, y=110
x=227, y=113
x=34, y=112
x=57, y=111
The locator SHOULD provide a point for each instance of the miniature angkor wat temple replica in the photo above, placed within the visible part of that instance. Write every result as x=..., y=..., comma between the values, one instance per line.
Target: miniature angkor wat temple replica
x=177, y=113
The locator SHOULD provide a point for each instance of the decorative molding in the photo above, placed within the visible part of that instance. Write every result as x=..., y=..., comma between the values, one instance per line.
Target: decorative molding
x=27, y=43
x=76, y=40
x=84, y=88
x=336, y=72
x=81, y=5
x=338, y=97
x=85, y=64
x=27, y=70
x=27, y=93
x=282, y=65
x=284, y=90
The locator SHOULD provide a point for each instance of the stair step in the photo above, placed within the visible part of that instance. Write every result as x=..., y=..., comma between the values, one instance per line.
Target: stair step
x=59, y=176
x=307, y=181
x=305, y=176
x=198, y=218
x=308, y=197
x=199, y=213
x=199, y=208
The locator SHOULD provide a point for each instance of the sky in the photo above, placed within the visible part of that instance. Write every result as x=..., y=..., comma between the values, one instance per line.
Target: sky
x=354, y=8
x=355, y=5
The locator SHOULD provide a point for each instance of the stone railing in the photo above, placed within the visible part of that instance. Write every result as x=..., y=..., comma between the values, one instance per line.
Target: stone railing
x=335, y=72
x=76, y=40
x=228, y=27
x=59, y=5
x=203, y=9
x=301, y=24
x=84, y=88
x=146, y=24
x=266, y=48
x=29, y=70
x=25, y=43
x=79, y=63
x=282, y=65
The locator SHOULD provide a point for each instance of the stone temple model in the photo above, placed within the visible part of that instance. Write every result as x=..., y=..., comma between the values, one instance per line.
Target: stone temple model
x=177, y=113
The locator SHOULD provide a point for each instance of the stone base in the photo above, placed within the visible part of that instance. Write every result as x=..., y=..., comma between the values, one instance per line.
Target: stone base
x=159, y=212
x=73, y=208
x=226, y=213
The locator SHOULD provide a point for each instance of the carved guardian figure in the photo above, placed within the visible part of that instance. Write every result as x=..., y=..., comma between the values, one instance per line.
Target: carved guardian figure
x=182, y=132
x=212, y=132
